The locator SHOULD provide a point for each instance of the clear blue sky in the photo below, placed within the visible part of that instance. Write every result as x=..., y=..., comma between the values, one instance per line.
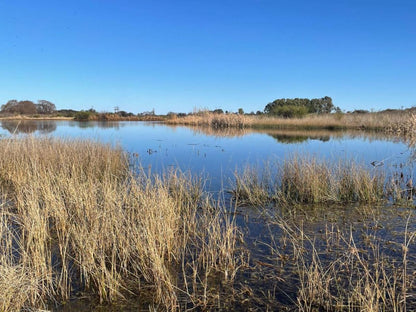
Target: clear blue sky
x=180, y=55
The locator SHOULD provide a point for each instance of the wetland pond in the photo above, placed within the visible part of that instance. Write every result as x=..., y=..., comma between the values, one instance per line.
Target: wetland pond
x=308, y=257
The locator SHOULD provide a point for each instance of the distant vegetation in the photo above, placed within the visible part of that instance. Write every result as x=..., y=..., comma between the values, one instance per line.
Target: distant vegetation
x=290, y=108
x=297, y=113
x=28, y=107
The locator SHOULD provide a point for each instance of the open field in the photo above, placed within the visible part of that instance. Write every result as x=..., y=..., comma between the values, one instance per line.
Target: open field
x=82, y=219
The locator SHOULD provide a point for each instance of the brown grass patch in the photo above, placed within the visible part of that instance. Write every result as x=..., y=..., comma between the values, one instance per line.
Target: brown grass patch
x=75, y=218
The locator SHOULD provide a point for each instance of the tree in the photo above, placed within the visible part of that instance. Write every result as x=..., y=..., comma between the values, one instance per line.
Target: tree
x=218, y=111
x=26, y=107
x=318, y=106
x=21, y=107
x=45, y=107
x=241, y=111
x=9, y=107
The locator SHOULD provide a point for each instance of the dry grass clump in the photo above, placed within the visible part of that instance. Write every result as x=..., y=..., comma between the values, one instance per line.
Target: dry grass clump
x=307, y=180
x=252, y=188
x=406, y=127
x=78, y=219
x=216, y=121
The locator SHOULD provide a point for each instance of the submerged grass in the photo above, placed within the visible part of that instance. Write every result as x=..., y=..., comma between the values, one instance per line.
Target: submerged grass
x=74, y=218
x=339, y=273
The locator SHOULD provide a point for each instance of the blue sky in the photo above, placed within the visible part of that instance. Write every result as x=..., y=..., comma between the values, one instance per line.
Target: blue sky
x=182, y=55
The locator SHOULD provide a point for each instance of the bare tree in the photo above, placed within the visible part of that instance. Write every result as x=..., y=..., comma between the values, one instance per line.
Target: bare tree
x=21, y=107
x=45, y=107
x=26, y=107
x=9, y=107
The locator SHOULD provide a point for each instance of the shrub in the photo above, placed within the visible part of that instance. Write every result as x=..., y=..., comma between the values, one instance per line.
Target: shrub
x=83, y=115
x=291, y=111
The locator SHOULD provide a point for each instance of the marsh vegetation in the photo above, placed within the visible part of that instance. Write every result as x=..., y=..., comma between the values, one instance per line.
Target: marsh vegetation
x=401, y=122
x=76, y=220
x=81, y=219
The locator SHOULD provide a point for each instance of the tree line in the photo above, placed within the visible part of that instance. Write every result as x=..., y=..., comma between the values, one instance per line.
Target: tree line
x=28, y=107
x=288, y=108
x=299, y=107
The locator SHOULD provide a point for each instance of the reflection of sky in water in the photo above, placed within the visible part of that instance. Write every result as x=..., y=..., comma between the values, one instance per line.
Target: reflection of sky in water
x=162, y=147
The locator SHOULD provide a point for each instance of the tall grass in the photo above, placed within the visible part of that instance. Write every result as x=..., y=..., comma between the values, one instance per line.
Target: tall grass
x=396, y=122
x=216, y=121
x=74, y=217
x=307, y=180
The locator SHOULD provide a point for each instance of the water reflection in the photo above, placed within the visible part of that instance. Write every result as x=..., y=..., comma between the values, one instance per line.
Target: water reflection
x=215, y=132
x=218, y=152
x=281, y=136
x=291, y=139
x=29, y=126
x=287, y=136
x=300, y=136
x=97, y=124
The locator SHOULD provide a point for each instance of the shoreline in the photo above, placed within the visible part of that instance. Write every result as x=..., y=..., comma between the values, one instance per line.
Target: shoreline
x=402, y=124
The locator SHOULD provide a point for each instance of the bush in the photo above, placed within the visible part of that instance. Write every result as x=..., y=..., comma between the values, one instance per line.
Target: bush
x=291, y=111
x=83, y=115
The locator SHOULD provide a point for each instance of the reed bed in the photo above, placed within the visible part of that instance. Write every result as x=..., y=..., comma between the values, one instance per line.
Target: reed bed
x=393, y=122
x=74, y=218
x=216, y=121
x=307, y=180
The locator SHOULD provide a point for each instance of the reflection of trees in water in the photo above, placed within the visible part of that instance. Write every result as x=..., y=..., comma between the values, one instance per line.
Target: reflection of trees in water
x=222, y=132
x=28, y=126
x=290, y=139
x=98, y=124
x=298, y=136
x=216, y=132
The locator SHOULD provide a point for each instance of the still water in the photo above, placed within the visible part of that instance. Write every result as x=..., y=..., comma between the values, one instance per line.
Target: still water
x=217, y=154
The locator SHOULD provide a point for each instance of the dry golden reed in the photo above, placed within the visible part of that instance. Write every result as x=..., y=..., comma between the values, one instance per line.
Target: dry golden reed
x=394, y=122
x=74, y=217
x=308, y=180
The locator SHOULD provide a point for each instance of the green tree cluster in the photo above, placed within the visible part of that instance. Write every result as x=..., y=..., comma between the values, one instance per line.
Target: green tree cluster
x=297, y=107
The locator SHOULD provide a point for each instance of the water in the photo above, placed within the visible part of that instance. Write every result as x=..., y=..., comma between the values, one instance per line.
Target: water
x=217, y=154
